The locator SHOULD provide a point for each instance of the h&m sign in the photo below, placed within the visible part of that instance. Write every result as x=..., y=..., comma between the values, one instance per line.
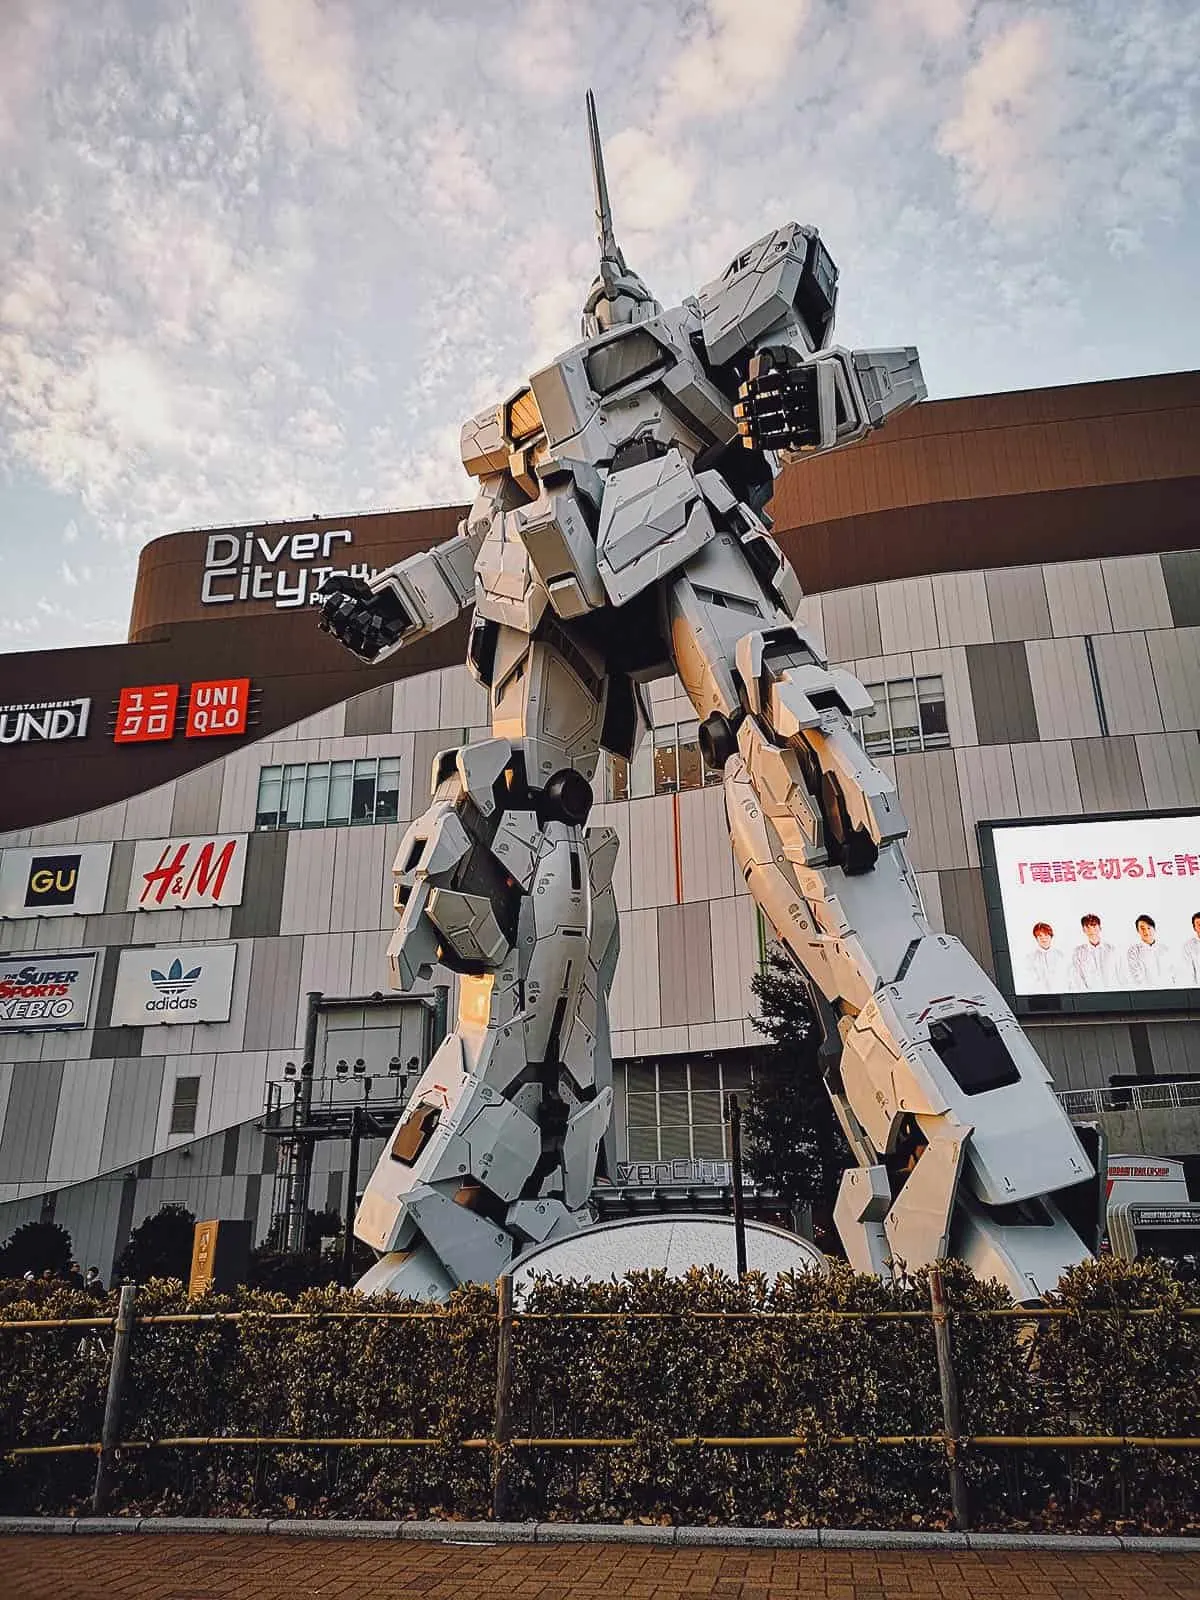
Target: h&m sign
x=257, y=566
x=184, y=874
x=44, y=721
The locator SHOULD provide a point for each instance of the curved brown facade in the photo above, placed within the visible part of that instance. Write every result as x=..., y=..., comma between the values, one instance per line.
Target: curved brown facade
x=1090, y=470
x=1094, y=469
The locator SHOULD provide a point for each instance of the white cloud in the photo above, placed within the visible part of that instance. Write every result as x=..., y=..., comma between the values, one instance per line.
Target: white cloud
x=306, y=51
x=263, y=256
x=1009, y=120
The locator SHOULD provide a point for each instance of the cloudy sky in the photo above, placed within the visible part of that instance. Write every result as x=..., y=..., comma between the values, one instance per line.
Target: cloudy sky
x=262, y=256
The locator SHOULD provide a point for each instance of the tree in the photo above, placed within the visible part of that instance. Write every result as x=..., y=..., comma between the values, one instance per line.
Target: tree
x=159, y=1247
x=34, y=1247
x=795, y=1144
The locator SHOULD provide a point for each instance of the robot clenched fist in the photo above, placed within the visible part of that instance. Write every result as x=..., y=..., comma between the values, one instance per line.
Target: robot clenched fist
x=619, y=534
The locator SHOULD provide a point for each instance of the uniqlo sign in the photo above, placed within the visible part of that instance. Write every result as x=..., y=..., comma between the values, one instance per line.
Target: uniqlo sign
x=181, y=874
x=146, y=713
x=218, y=708
x=215, y=709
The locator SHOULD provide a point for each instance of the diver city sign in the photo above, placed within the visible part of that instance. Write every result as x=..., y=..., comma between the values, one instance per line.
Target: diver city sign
x=285, y=569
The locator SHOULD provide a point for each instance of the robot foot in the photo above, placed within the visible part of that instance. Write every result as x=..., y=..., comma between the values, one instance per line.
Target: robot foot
x=414, y=1274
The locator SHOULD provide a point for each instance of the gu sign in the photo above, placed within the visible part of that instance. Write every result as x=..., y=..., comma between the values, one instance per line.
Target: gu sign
x=286, y=570
x=46, y=991
x=185, y=874
x=55, y=881
x=174, y=984
x=44, y=721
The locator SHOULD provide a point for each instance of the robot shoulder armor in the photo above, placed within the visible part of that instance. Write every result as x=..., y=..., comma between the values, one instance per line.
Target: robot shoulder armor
x=765, y=286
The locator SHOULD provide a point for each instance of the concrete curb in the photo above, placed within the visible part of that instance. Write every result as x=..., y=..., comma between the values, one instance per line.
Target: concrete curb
x=485, y=1533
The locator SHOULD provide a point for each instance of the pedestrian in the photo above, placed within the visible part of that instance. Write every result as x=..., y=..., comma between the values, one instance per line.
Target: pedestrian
x=75, y=1276
x=94, y=1283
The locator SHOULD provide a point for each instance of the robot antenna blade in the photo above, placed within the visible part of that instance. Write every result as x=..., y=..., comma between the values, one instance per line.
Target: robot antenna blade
x=604, y=223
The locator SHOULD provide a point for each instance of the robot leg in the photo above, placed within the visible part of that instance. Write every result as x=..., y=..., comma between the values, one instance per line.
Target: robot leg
x=499, y=1143
x=961, y=1143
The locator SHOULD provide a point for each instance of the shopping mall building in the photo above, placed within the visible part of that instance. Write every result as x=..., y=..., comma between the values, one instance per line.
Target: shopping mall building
x=197, y=826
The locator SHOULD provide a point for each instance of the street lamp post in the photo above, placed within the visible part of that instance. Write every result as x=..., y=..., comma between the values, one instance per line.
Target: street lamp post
x=733, y=1115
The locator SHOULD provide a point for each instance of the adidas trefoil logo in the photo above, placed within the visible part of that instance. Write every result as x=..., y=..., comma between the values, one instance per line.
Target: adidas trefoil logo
x=174, y=981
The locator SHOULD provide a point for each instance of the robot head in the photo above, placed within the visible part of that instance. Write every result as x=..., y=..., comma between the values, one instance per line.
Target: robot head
x=617, y=295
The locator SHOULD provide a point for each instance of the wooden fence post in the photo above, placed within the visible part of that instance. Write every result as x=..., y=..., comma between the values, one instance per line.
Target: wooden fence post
x=502, y=1430
x=111, y=1431
x=951, y=1425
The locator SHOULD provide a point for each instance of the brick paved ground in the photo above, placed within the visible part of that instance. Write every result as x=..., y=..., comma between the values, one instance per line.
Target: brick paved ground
x=241, y=1567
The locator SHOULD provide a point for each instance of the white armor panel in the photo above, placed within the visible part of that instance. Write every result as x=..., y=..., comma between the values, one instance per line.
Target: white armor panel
x=652, y=519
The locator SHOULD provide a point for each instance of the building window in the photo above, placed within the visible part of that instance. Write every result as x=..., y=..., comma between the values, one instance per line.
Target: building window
x=675, y=763
x=183, y=1107
x=909, y=714
x=329, y=794
x=674, y=1107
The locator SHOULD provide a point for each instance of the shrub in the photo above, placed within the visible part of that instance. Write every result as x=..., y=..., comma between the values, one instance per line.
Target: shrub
x=707, y=1363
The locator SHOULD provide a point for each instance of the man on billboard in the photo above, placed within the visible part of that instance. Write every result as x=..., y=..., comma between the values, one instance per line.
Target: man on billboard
x=1095, y=964
x=1149, y=962
x=1191, y=954
x=1046, y=966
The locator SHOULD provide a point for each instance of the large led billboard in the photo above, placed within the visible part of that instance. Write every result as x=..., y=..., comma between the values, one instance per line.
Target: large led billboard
x=1102, y=907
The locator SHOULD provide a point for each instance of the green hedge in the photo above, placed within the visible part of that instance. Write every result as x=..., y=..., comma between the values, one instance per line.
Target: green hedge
x=650, y=1380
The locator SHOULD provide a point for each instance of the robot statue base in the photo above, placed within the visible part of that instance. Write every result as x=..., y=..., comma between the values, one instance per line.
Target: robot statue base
x=619, y=534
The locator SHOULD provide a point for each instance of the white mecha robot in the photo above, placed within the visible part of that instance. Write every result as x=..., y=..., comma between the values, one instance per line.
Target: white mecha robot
x=619, y=534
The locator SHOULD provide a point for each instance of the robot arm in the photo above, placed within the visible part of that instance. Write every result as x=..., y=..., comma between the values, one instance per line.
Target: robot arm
x=773, y=308
x=418, y=595
x=797, y=404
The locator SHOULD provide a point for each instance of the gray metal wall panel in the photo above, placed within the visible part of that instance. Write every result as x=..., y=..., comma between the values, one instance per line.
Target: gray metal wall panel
x=929, y=797
x=197, y=805
x=132, y=1120
x=1109, y=776
x=274, y=993
x=1137, y=595
x=1127, y=683
x=960, y=602
x=114, y=927
x=907, y=617
x=29, y=1123
x=109, y=1042
x=114, y=1042
x=371, y=711
x=1174, y=1048
x=987, y=784
x=1002, y=693
x=1078, y=599
x=1062, y=689
x=1170, y=765
x=851, y=618
x=1017, y=603
x=931, y=898
x=685, y=963
x=1084, y=1056
x=1047, y=783
x=709, y=869
x=252, y=1202
x=964, y=913
x=651, y=852
x=1176, y=661
x=79, y=1125
x=118, y=875
x=262, y=891
x=1181, y=574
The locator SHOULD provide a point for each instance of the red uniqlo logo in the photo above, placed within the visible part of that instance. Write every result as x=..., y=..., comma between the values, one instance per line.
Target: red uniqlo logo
x=218, y=708
x=146, y=713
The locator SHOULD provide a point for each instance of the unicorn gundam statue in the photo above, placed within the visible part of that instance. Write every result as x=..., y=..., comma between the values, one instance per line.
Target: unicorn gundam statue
x=619, y=533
